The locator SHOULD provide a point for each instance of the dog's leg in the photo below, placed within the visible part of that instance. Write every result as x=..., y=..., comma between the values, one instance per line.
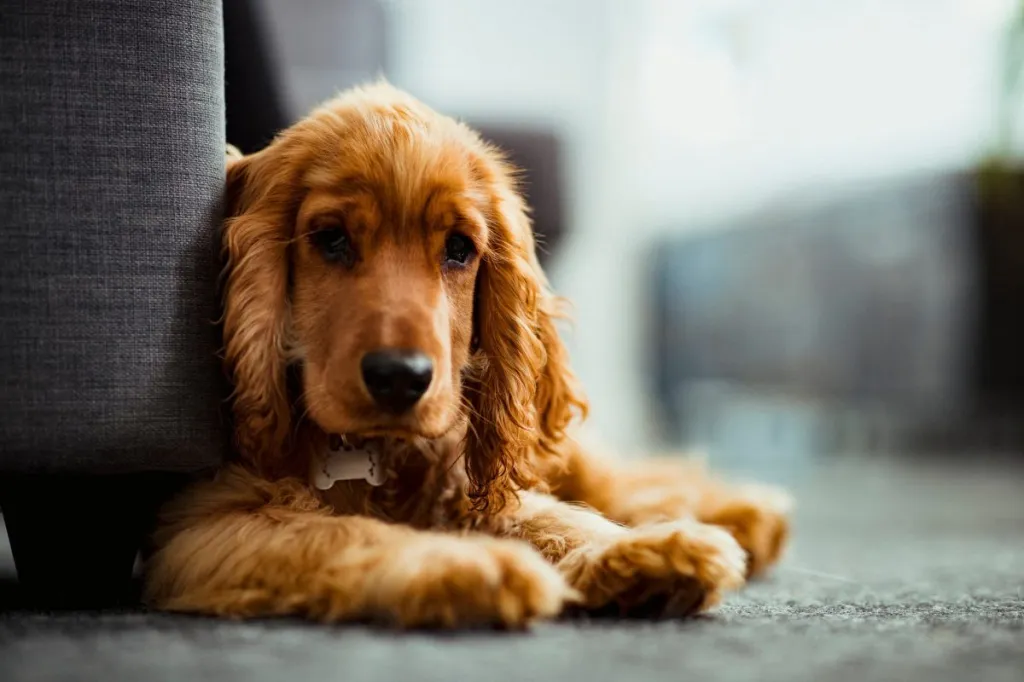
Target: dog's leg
x=245, y=547
x=657, y=490
x=665, y=569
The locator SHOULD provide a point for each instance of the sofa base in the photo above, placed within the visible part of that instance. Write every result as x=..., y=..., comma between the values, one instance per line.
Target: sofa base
x=75, y=538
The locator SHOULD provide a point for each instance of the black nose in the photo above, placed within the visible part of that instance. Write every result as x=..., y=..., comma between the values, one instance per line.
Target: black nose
x=396, y=378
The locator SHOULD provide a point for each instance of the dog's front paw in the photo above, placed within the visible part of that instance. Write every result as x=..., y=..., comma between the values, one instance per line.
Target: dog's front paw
x=758, y=517
x=468, y=582
x=669, y=569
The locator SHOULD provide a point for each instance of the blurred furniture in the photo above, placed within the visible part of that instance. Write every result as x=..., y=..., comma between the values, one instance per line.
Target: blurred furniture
x=254, y=101
x=874, y=302
x=538, y=153
x=111, y=171
x=998, y=221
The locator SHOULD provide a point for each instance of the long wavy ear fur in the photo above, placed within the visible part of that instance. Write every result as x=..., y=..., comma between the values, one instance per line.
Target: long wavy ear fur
x=257, y=231
x=524, y=395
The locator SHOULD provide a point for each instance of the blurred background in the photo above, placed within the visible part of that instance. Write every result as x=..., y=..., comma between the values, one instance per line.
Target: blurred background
x=789, y=229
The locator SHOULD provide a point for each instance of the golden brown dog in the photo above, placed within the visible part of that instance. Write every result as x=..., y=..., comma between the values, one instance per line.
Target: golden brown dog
x=383, y=292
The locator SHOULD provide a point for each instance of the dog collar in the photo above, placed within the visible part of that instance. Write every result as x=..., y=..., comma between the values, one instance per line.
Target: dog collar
x=344, y=461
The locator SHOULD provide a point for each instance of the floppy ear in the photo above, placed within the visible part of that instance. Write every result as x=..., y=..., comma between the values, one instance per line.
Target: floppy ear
x=523, y=395
x=256, y=233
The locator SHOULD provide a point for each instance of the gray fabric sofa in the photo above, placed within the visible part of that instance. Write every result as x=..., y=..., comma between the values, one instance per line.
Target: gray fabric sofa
x=111, y=170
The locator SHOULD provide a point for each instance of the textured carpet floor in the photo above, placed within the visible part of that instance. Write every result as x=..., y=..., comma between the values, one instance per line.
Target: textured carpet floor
x=898, y=572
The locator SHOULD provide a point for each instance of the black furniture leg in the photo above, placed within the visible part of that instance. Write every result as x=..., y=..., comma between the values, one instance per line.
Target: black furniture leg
x=75, y=538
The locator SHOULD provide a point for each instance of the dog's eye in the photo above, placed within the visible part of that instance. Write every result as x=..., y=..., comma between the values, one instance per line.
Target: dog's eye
x=334, y=245
x=458, y=249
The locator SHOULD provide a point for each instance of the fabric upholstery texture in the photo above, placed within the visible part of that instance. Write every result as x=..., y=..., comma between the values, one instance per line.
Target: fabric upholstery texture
x=111, y=171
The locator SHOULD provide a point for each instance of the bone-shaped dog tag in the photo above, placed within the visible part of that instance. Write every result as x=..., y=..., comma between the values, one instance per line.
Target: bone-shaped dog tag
x=343, y=461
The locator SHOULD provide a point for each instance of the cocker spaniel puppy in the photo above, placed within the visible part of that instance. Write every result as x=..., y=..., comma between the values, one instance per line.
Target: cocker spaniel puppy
x=401, y=408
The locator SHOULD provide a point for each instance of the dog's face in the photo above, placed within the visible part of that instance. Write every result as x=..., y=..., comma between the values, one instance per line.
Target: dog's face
x=388, y=241
x=381, y=250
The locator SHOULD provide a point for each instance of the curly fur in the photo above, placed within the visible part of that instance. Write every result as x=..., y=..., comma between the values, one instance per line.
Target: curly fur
x=491, y=512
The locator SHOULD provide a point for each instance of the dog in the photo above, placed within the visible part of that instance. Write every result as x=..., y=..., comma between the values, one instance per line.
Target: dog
x=403, y=408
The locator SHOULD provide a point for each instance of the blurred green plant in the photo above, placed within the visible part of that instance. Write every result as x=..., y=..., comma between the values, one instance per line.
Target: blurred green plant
x=1012, y=66
x=998, y=173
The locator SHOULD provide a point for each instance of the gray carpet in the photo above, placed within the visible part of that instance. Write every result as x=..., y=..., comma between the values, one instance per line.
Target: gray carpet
x=898, y=572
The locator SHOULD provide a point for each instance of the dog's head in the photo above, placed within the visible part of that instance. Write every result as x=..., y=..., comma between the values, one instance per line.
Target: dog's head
x=382, y=251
